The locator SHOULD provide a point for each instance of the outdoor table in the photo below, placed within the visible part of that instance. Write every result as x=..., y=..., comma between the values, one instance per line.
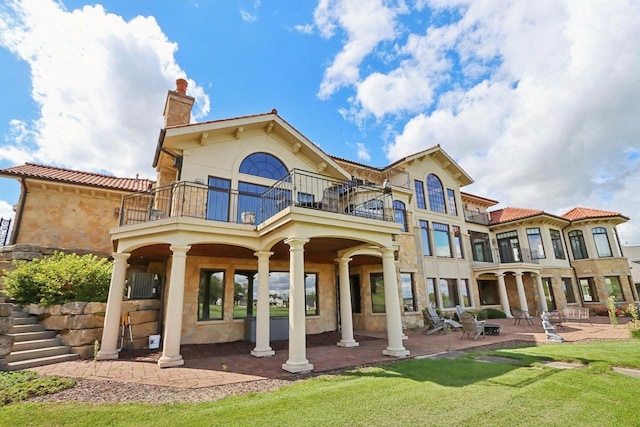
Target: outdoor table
x=491, y=329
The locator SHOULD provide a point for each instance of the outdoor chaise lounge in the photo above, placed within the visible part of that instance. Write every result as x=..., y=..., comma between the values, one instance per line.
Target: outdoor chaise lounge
x=437, y=323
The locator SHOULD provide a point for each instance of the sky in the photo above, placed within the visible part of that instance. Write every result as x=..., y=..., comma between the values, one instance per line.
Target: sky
x=538, y=101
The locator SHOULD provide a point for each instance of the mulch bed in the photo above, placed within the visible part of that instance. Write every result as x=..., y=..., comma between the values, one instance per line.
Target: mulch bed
x=200, y=351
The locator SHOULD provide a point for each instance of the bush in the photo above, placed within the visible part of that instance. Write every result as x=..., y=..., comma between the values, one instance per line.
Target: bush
x=491, y=313
x=59, y=279
x=21, y=385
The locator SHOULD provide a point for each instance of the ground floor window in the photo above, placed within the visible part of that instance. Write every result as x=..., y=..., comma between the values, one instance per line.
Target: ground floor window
x=466, y=294
x=567, y=288
x=279, y=284
x=377, y=293
x=548, y=293
x=588, y=289
x=613, y=288
x=408, y=292
x=431, y=292
x=211, y=295
x=245, y=293
x=488, y=292
x=449, y=293
x=356, y=304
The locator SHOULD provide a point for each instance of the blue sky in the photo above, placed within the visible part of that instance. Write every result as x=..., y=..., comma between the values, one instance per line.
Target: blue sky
x=537, y=101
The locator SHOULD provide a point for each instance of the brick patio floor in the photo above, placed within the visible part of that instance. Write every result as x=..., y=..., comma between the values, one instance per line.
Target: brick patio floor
x=219, y=370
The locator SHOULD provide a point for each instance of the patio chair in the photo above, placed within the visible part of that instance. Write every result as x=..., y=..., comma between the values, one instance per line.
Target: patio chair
x=438, y=323
x=471, y=327
x=519, y=314
x=459, y=311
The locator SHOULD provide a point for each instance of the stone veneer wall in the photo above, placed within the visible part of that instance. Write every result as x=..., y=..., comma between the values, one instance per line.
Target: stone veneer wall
x=80, y=324
x=6, y=341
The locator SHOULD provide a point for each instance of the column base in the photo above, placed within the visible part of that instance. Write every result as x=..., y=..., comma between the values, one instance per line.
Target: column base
x=107, y=354
x=348, y=343
x=170, y=361
x=297, y=367
x=396, y=352
x=264, y=352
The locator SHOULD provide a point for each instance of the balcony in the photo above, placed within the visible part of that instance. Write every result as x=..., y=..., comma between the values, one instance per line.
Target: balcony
x=254, y=204
x=476, y=217
x=516, y=255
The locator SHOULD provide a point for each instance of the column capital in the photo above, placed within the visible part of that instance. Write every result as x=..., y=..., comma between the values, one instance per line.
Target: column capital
x=120, y=256
x=296, y=242
x=179, y=249
x=343, y=260
x=263, y=254
x=388, y=251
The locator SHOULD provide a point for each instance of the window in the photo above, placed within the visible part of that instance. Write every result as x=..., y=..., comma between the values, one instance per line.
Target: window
x=400, y=214
x=457, y=242
x=279, y=283
x=420, y=200
x=577, y=244
x=432, y=298
x=488, y=292
x=567, y=288
x=441, y=240
x=250, y=200
x=509, y=247
x=354, y=282
x=377, y=293
x=424, y=234
x=464, y=290
x=556, y=242
x=449, y=293
x=408, y=292
x=218, y=199
x=436, y=194
x=588, y=289
x=613, y=288
x=245, y=293
x=451, y=198
x=535, y=243
x=602, y=242
x=481, y=247
x=211, y=295
x=547, y=287
x=264, y=165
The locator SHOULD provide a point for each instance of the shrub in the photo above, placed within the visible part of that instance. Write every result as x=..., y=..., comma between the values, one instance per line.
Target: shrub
x=21, y=385
x=59, y=279
x=491, y=313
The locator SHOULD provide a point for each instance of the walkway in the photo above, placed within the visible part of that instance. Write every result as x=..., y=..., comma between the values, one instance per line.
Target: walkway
x=219, y=370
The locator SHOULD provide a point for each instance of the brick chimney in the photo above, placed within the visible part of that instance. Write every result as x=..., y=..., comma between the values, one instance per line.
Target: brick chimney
x=177, y=109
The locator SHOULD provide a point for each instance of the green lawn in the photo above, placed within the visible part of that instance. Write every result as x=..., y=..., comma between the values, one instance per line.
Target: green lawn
x=460, y=392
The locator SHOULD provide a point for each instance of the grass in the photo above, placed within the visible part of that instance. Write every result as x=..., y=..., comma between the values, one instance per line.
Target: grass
x=460, y=392
x=21, y=385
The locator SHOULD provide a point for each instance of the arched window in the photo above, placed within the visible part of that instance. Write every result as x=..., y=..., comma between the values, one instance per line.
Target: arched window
x=436, y=194
x=602, y=242
x=264, y=165
x=400, y=214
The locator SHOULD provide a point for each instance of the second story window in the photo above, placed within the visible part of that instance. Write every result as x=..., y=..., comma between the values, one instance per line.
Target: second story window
x=602, y=242
x=481, y=248
x=535, y=243
x=457, y=241
x=441, y=240
x=400, y=214
x=577, y=244
x=436, y=194
x=451, y=199
x=421, y=202
x=556, y=242
x=426, y=241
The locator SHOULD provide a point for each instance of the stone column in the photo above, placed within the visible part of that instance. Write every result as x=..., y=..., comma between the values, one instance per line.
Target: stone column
x=109, y=345
x=346, y=317
x=543, y=298
x=262, y=349
x=173, y=318
x=504, y=297
x=521, y=295
x=392, y=305
x=297, y=310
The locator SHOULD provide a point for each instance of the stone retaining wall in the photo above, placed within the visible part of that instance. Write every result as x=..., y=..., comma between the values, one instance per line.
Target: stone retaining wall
x=80, y=324
x=6, y=341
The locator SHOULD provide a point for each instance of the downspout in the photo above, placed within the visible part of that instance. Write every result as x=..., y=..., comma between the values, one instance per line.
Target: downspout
x=18, y=219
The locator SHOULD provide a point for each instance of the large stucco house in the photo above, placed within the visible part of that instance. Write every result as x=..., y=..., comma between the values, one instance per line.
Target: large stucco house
x=249, y=225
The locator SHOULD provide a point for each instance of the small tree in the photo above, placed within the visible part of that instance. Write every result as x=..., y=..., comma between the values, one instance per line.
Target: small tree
x=59, y=279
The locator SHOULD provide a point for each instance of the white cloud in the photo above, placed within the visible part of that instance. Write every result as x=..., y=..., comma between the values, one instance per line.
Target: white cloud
x=250, y=16
x=363, y=152
x=100, y=83
x=6, y=210
x=536, y=100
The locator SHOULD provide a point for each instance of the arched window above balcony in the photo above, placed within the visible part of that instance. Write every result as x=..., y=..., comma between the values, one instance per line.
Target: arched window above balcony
x=436, y=194
x=264, y=165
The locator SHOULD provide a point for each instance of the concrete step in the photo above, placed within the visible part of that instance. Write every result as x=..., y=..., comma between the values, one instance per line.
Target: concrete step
x=37, y=353
x=32, y=363
x=34, y=344
x=25, y=320
x=17, y=312
x=30, y=336
x=19, y=329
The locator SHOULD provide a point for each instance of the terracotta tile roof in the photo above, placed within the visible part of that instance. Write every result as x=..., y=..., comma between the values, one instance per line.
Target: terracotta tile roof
x=583, y=213
x=50, y=173
x=512, y=214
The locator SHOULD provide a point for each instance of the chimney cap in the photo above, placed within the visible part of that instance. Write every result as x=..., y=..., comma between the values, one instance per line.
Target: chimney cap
x=181, y=86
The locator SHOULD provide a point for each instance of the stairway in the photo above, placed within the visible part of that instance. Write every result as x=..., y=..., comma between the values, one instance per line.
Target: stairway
x=33, y=345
